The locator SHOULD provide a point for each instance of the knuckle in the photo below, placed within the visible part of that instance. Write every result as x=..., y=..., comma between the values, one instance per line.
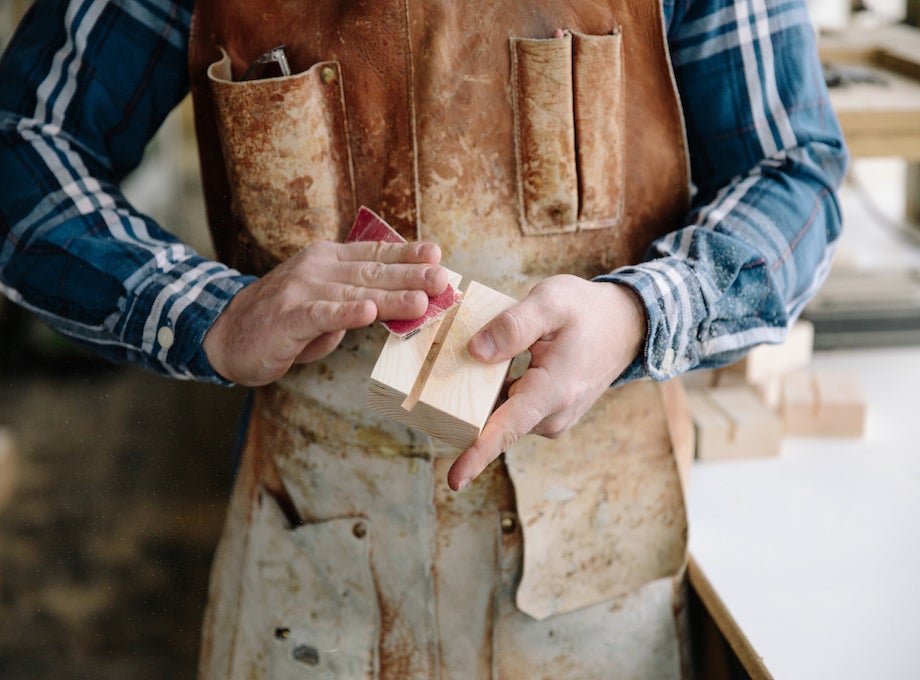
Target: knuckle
x=371, y=272
x=319, y=250
x=568, y=396
x=555, y=426
x=509, y=325
x=288, y=297
x=352, y=293
x=378, y=250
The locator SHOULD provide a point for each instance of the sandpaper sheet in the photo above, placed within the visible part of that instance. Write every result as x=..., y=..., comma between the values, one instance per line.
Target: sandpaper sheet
x=369, y=226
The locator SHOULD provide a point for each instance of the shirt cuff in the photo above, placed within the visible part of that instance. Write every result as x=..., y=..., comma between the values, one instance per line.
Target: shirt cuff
x=166, y=321
x=674, y=307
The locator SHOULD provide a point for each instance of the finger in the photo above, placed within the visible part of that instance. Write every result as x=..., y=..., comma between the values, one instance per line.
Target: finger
x=314, y=319
x=432, y=279
x=320, y=347
x=417, y=252
x=510, y=421
x=388, y=305
x=397, y=305
x=511, y=332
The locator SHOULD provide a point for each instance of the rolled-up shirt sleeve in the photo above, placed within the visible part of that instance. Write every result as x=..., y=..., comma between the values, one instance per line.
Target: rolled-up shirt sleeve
x=83, y=88
x=767, y=156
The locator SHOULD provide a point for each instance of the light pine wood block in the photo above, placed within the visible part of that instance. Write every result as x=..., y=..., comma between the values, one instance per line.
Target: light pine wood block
x=732, y=422
x=450, y=394
x=768, y=361
x=400, y=362
x=823, y=404
x=460, y=391
x=770, y=389
x=700, y=379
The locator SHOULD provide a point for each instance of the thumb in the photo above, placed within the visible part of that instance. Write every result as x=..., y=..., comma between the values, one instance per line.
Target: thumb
x=510, y=333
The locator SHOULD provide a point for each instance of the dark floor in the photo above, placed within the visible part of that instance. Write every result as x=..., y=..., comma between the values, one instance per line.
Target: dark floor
x=105, y=546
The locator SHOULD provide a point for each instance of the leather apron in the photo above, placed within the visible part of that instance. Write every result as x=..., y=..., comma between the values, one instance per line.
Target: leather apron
x=344, y=554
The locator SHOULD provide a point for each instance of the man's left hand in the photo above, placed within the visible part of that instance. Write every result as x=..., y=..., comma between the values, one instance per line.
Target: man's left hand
x=581, y=335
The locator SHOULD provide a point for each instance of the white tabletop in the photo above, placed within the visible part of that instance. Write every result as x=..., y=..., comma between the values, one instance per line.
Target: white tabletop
x=816, y=554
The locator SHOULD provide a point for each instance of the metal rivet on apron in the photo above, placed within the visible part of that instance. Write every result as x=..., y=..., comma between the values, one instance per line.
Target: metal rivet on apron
x=282, y=633
x=307, y=655
x=359, y=530
x=509, y=524
x=327, y=75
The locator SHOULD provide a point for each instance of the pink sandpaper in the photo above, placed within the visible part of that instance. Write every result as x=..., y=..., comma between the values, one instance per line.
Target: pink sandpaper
x=369, y=226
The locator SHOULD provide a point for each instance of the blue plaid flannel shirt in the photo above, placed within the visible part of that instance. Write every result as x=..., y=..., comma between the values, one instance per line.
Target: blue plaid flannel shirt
x=85, y=84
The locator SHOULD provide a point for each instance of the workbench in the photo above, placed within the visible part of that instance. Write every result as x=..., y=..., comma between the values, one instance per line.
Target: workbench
x=809, y=563
x=878, y=119
x=881, y=119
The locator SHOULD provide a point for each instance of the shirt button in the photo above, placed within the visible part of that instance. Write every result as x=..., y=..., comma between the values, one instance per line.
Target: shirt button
x=165, y=337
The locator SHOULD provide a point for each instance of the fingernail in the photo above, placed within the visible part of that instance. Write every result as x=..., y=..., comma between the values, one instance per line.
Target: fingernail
x=414, y=297
x=463, y=484
x=426, y=251
x=431, y=275
x=483, y=345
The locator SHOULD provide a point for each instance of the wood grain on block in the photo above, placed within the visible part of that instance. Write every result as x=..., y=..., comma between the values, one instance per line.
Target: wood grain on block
x=823, y=404
x=460, y=391
x=732, y=422
x=7, y=466
x=369, y=226
x=766, y=361
x=399, y=364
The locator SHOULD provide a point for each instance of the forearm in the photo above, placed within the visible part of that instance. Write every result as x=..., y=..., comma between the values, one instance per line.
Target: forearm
x=95, y=270
x=73, y=122
x=743, y=268
x=767, y=156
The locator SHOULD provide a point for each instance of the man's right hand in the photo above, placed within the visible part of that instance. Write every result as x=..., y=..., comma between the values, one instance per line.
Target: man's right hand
x=299, y=311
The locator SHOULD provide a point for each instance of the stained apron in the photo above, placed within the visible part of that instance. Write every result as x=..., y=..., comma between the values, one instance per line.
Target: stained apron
x=345, y=554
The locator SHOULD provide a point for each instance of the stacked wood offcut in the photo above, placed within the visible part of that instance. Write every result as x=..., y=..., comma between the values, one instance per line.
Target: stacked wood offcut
x=744, y=410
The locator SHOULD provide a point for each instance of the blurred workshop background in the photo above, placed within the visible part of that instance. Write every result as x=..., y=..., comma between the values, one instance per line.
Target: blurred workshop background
x=113, y=481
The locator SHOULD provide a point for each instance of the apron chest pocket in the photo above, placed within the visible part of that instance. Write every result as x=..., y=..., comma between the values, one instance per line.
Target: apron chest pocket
x=568, y=98
x=286, y=149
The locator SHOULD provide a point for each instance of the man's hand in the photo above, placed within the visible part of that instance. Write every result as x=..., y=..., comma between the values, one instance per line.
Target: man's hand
x=581, y=335
x=299, y=311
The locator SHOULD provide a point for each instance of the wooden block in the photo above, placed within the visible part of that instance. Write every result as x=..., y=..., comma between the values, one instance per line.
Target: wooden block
x=767, y=361
x=7, y=466
x=451, y=394
x=769, y=389
x=732, y=422
x=700, y=379
x=400, y=362
x=823, y=404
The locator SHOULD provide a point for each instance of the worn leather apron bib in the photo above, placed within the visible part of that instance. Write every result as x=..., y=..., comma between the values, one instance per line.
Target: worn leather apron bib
x=345, y=555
